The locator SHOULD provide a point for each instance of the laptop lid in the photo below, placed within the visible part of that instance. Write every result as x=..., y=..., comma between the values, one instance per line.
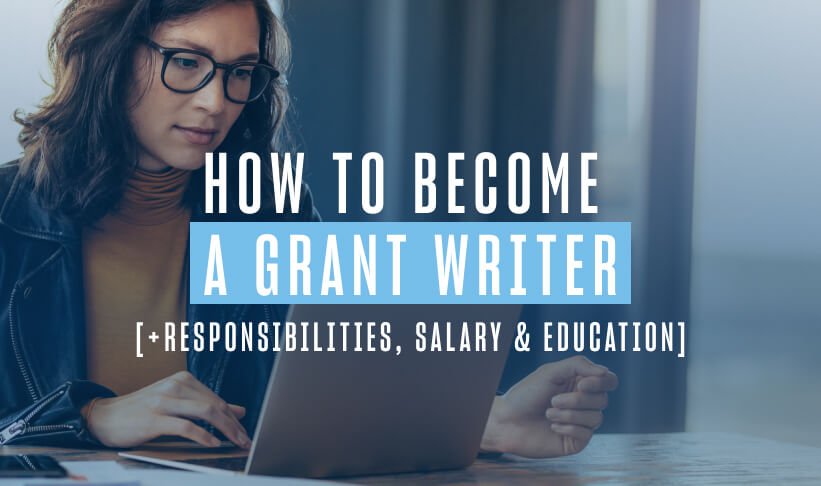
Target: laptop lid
x=331, y=413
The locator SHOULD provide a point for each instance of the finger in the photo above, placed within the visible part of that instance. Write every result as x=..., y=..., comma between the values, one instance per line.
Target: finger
x=188, y=387
x=185, y=428
x=218, y=405
x=570, y=368
x=580, y=400
x=237, y=410
x=606, y=382
x=592, y=419
x=211, y=412
x=582, y=434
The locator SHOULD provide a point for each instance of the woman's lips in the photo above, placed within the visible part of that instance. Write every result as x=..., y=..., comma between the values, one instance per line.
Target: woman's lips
x=197, y=136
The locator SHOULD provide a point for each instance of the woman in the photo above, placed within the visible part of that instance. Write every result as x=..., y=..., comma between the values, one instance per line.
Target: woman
x=93, y=236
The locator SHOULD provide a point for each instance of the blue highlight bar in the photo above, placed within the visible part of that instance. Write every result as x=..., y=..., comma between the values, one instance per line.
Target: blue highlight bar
x=250, y=269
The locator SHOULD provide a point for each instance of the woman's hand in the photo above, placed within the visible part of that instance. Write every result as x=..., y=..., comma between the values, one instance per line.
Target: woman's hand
x=165, y=408
x=551, y=412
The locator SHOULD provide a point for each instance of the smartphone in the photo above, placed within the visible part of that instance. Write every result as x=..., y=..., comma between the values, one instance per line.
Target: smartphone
x=30, y=466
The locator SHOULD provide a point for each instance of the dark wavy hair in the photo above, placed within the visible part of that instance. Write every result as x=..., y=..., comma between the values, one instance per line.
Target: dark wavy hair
x=79, y=148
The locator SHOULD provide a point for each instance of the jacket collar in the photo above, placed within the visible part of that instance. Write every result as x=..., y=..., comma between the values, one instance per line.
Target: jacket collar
x=22, y=213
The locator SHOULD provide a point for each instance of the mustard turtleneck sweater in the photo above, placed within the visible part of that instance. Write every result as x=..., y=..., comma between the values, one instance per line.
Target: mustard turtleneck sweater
x=135, y=269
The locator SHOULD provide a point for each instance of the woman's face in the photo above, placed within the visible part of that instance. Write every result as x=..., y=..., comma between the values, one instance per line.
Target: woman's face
x=176, y=129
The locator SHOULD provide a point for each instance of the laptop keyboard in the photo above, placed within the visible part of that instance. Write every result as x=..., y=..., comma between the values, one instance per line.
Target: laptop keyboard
x=227, y=463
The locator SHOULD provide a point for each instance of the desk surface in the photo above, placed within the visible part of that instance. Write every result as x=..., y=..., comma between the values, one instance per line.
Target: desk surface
x=685, y=458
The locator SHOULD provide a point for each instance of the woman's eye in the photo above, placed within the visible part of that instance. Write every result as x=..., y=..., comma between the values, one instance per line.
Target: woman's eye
x=185, y=63
x=242, y=73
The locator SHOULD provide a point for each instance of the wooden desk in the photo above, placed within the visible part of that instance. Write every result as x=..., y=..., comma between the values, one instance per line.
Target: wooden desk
x=685, y=458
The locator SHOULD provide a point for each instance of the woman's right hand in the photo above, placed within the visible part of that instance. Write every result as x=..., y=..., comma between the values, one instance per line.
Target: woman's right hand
x=166, y=408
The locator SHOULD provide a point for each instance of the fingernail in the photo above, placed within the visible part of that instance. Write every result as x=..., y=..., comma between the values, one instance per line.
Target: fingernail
x=556, y=402
x=215, y=442
x=246, y=442
x=551, y=413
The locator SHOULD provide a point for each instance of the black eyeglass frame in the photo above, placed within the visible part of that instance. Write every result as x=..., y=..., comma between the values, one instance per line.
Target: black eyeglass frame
x=169, y=52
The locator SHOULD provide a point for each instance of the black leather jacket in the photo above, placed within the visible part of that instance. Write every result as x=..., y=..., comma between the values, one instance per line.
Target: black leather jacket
x=42, y=324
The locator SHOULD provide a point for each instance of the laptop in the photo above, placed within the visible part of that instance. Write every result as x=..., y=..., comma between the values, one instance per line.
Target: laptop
x=338, y=414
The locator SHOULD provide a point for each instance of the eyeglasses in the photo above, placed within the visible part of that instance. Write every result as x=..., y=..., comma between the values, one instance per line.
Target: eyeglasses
x=187, y=71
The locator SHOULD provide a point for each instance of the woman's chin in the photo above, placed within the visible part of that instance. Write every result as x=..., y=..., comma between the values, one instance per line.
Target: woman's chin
x=188, y=161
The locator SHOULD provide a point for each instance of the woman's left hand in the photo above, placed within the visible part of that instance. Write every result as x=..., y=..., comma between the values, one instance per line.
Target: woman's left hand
x=552, y=412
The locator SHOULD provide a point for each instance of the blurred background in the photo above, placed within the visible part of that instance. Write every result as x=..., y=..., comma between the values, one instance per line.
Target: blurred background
x=705, y=116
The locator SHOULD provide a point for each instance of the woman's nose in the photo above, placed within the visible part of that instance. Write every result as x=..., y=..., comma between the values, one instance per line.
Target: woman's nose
x=211, y=97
